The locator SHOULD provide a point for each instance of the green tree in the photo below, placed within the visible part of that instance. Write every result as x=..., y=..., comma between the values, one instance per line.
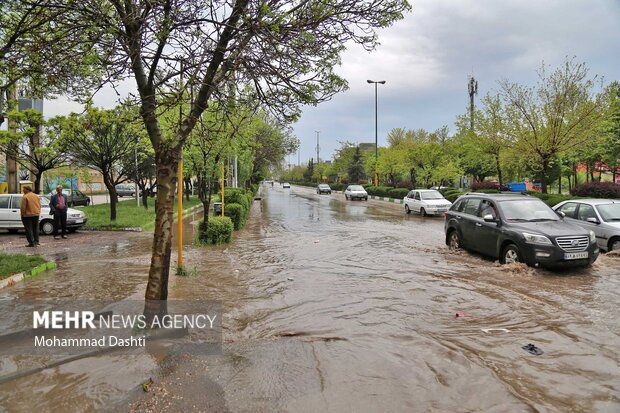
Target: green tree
x=558, y=115
x=102, y=139
x=356, y=167
x=35, y=151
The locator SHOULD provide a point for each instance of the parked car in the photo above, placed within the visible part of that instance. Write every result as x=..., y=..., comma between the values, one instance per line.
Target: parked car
x=426, y=202
x=518, y=228
x=323, y=189
x=599, y=215
x=355, y=192
x=10, y=215
x=75, y=197
x=125, y=190
x=286, y=185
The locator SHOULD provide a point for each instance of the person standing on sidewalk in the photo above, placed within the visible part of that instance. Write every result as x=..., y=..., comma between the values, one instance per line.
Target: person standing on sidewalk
x=30, y=208
x=58, y=206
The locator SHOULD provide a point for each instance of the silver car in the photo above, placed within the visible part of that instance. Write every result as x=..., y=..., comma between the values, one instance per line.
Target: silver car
x=599, y=215
x=355, y=192
x=426, y=202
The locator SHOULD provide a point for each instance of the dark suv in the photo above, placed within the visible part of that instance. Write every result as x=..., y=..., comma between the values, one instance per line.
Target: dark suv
x=518, y=228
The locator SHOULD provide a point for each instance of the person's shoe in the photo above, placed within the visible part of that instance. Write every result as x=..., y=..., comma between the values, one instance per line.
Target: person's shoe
x=37, y=243
x=55, y=236
x=29, y=245
x=64, y=237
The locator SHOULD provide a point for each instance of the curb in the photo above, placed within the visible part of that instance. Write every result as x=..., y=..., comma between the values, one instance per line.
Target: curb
x=15, y=278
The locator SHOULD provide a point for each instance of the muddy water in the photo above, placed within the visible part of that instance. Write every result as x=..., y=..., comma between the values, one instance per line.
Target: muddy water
x=347, y=306
x=350, y=306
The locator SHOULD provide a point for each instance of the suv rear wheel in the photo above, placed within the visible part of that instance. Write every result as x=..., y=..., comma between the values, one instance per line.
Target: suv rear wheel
x=511, y=255
x=422, y=212
x=454, y=240
x=407, y=210
x=614, y=244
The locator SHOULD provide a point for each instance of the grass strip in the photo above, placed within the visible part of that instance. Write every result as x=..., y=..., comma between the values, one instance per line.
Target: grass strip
x=15, y=263
x=128, y=215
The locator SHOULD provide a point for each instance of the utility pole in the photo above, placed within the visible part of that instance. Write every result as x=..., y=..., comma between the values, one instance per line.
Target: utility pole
x=472, y=88
x=317, y=145
x=376, y=131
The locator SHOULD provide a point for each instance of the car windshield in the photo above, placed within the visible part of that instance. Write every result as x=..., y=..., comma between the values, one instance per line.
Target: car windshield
x=323, y=186
x=529, y=210
x=356, y=188
x=609, y=212
x=431, y=195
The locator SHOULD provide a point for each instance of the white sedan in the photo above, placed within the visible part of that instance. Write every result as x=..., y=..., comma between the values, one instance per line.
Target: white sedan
x=426, y=202
x=10, y=216
x=355, y=192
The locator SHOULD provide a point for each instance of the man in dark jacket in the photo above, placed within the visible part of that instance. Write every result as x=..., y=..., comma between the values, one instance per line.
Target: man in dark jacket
x=58, y=207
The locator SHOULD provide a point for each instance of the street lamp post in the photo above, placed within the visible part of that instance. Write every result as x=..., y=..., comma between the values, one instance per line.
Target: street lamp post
x=376, y=131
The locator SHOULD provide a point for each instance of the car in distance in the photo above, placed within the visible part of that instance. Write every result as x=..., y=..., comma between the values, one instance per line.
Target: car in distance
x=355, y=192
x=75, y=197
x=517, y=228
x=286, y=185
x=599, y=215
x=426, y=202
x=323, y=189
x=10, y=215
x=125, y=190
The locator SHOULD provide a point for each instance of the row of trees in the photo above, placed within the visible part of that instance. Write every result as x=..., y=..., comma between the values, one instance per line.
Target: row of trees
x=114, y=142
x=544, y=132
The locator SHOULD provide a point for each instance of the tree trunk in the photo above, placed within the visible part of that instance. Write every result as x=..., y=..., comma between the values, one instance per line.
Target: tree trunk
x=37, y=182
x=145, y=199
x=499, y=170
x=570, y=188
x=188, y=187
x=167, y=165
x=113, y=198
x=544, y=173
x=560, y=184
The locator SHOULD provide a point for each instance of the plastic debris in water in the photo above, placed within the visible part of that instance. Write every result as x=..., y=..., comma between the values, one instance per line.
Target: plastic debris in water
x=499, y=330
x=147, y=386
x=290, y=278
x=462, y=315
x=532, y=349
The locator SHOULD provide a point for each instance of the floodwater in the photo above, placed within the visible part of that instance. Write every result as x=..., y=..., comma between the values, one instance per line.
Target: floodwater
x=333, y=305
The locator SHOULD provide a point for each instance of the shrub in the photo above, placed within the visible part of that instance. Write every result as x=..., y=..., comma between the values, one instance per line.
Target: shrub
x=398, y=193
x=237, y=196
x=404, y=184
x=550, y=199
x=488, y=186
x=597, y=190
x=237, y=213
x=218, y=231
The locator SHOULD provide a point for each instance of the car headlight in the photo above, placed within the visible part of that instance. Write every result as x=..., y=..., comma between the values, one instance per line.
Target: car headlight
x=592, y=236
x=536, y=239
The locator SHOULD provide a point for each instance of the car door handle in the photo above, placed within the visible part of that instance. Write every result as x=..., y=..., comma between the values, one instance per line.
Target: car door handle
x=478, y=224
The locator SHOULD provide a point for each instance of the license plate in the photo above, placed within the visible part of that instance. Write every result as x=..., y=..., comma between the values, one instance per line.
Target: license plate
x=79, y=221
x=575, y=255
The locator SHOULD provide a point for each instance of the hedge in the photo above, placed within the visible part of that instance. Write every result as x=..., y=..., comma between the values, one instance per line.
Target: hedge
x=597, y=190
x=219, y=231
x=237, y=213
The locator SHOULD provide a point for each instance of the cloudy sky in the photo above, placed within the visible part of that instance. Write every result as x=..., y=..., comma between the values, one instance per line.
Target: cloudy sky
x=426, y=59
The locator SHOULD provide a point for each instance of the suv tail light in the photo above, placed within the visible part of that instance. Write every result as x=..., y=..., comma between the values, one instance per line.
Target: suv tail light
x=445, y=214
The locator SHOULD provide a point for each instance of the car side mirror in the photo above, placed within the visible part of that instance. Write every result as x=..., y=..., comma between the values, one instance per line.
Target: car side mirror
x=489, y=218
x=560, y=213
x=593, y=220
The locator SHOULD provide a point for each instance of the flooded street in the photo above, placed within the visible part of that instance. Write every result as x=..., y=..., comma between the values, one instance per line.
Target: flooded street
x=333, y=305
